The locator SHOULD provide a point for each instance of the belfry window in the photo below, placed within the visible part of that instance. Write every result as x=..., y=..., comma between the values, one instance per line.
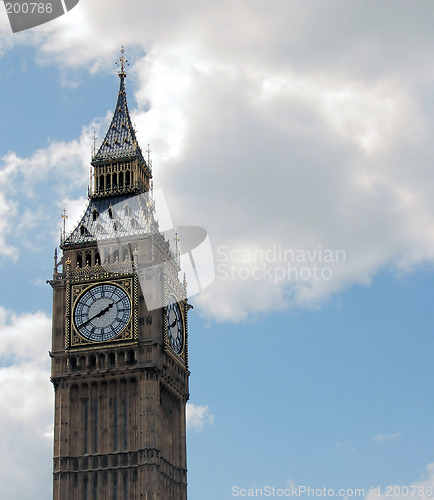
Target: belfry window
x=125, y=254
x=92, y=361
x=101, y=360
x=131, y=358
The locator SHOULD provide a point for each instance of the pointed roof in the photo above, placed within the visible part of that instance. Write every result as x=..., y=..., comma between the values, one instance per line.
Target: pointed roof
x=120, y=140
x=114, y=218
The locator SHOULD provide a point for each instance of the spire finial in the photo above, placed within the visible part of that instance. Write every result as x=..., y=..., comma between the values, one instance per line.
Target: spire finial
x=64, y=217
x=123, y=63
x=94, y=144
x=176, y=239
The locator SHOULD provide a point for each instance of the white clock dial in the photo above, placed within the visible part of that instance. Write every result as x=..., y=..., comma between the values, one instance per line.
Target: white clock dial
x=102, y=312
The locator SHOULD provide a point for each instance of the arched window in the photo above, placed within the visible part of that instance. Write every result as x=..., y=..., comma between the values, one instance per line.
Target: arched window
x=101, y=360
x=112, y=359
x=79, y=260
x=127, y=178
x=92, y=361
x=131, y=357
x=107, y=181
x=121, y=179
x=114, y=180
x=88, y=259
x=97, y=259
x=125, y=254
x=121, y=358
x=101, y=183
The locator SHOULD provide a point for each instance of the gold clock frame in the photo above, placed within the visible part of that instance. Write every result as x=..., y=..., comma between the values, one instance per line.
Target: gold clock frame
x=75, y=341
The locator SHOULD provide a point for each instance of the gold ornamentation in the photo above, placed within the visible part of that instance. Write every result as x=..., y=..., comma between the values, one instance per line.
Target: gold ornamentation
x=73, y=339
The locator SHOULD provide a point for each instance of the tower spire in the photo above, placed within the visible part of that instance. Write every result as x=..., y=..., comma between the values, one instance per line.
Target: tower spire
x=119, y=166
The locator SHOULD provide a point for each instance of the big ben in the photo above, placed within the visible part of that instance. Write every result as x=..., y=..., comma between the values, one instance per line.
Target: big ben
x=119, y=339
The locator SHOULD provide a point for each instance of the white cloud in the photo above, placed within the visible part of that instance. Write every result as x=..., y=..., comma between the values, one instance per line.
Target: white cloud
x=387, y=438
x=265, y=135
x=27, y=214
x=198, y=416
x=27, y=405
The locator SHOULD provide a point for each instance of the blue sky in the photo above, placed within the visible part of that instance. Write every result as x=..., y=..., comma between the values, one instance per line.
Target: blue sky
x=301, y=125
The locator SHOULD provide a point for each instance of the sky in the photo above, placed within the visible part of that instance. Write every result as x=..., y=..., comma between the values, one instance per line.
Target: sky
x=299, y=135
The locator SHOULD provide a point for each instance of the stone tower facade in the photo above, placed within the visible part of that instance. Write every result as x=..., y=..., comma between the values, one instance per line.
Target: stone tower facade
x=120, y=341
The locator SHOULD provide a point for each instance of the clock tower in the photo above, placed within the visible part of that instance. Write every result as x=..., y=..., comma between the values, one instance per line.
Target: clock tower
x=119, y=343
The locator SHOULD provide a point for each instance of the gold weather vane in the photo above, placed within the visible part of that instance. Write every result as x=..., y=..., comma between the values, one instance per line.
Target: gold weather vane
x=123, y=63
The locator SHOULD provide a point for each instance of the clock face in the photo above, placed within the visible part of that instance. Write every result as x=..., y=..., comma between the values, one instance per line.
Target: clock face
x=175, y=325
x=102, y=312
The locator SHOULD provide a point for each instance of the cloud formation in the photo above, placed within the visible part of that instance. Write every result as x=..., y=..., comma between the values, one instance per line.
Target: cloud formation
x=387, y=438
x=27, y=405
x=289, y=128
x=198, y=416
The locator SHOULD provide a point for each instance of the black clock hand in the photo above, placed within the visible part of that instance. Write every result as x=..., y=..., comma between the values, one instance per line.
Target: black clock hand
x=173, y=324
x=101, y=313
